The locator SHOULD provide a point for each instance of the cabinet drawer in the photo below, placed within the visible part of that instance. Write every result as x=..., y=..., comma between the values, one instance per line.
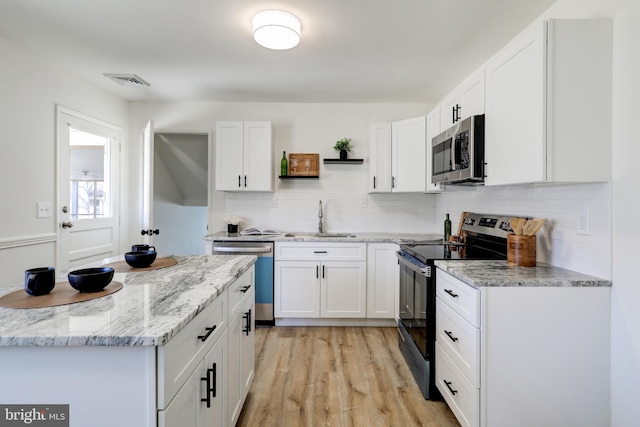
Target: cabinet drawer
x=180, y=356
x=461, y=396
x=239, y=289
x=463, y=298
x=460, y=340
x=313, y=251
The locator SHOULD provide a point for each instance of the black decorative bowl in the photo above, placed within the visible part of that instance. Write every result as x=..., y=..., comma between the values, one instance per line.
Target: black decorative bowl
x=140, y=259
x=91, y=279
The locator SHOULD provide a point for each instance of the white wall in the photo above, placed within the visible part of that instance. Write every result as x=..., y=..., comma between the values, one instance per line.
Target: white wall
x=625, y=305
x=31, y=88
x=300, y=128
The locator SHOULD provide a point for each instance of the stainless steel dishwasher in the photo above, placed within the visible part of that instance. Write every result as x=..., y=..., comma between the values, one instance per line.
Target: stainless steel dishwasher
x=264, y=272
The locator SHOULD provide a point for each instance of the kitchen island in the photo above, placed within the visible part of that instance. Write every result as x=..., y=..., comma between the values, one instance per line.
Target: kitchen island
x=125, y=358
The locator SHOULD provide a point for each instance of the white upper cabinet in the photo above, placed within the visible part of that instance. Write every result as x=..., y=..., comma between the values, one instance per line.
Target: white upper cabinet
x=408, y=155
x=548, y=105
x=380, y=152
x=398, y=156
x=244, y=156
x=465, y=100
x=433, y=129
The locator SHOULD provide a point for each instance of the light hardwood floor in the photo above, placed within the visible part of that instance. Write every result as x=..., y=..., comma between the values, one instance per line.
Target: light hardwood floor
x=338, y=377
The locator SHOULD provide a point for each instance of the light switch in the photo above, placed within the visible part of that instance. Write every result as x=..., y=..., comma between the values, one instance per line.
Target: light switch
x=44, y=210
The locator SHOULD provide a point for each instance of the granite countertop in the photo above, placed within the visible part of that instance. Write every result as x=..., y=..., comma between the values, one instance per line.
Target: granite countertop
x=293, y=236
x=149, y=310
x=500, y=274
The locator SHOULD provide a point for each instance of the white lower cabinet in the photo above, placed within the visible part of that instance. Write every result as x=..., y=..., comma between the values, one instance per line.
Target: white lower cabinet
x=320, y=280
x=523, y=356
x=241, y=357
x=200, y=401
x=382, y=280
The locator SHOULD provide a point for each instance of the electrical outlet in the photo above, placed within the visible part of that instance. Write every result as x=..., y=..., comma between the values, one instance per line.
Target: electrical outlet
x=43, y=210
x=583, y=223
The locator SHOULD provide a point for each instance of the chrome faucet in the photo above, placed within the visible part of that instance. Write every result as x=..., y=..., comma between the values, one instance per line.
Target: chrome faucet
x=320, y=216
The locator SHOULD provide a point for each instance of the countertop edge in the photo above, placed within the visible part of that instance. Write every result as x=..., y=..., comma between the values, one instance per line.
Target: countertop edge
x=481, y=274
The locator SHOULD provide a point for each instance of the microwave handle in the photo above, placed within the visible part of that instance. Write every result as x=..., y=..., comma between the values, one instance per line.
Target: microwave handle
x=453, y=153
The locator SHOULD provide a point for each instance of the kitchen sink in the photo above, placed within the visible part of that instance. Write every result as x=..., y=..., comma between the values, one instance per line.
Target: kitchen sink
x=310, y=235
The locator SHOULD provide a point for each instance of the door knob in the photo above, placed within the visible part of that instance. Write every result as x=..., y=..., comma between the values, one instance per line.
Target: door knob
x=66, y=224
x=150, y=232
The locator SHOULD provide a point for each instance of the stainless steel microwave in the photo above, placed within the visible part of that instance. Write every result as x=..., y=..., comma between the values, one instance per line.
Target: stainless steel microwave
x=458, y=153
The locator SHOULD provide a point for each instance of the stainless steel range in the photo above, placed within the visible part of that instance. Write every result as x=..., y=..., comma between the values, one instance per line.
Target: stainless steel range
x=486, y=238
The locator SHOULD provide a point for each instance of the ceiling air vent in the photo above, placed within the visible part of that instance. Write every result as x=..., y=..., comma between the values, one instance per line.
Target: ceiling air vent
x=126, y=79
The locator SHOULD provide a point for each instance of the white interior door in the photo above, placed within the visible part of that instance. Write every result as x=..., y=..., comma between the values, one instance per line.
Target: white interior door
x=88, y=189
x=147, y=231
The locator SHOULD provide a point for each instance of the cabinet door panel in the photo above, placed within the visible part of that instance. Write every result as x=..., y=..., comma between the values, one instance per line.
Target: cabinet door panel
x=297, y=290
x=515, y=125
x=448, y=112
x=380, y=153
x=382, y=275
x=216, y=360
x=343, y=289
x=185, y=408
x=472, y=95
x=409, y=154
x=433, y=129
x=247, y=363
x=258, y=156
x=229, y=155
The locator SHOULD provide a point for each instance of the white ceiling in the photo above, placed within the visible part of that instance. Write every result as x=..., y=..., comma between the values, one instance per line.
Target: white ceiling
x=351, y=50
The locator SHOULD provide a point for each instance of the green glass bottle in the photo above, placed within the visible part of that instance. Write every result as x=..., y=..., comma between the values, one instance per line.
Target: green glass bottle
x=447, y=228
x=283, y=164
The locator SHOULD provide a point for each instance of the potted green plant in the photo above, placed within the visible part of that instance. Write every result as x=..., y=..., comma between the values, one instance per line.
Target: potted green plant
x=343, y=145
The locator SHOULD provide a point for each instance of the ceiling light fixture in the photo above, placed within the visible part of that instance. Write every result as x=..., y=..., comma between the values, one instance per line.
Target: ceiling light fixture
x=276, y=30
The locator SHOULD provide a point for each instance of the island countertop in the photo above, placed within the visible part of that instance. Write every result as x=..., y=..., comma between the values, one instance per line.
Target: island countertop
x=149, y=310
x=501, y=274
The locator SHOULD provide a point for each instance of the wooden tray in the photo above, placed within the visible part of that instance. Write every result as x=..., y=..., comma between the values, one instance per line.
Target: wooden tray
x=123, y=267
x=301, y=169
x=62, y=294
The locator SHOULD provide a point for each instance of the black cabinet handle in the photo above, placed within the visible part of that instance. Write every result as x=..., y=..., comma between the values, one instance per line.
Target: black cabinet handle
x=245, y=180
x=393, y=182
x=211, y=385
x=374, y=182
x=245, y=289
x=453, y=114
x=317, y=270
x=239, y=178
x=450, y=292
x=448, y=384
x=204, y=337
x=450, y=335
x=323, y=271
x=247, y=316
x=319, y=252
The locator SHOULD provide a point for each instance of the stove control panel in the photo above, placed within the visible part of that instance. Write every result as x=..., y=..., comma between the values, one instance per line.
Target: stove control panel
x=493, y=225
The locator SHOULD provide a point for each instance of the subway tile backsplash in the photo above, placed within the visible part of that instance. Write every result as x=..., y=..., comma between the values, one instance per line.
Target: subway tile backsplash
x=558, y=242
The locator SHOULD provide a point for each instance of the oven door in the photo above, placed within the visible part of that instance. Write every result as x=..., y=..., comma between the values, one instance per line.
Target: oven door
x=414, y=311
